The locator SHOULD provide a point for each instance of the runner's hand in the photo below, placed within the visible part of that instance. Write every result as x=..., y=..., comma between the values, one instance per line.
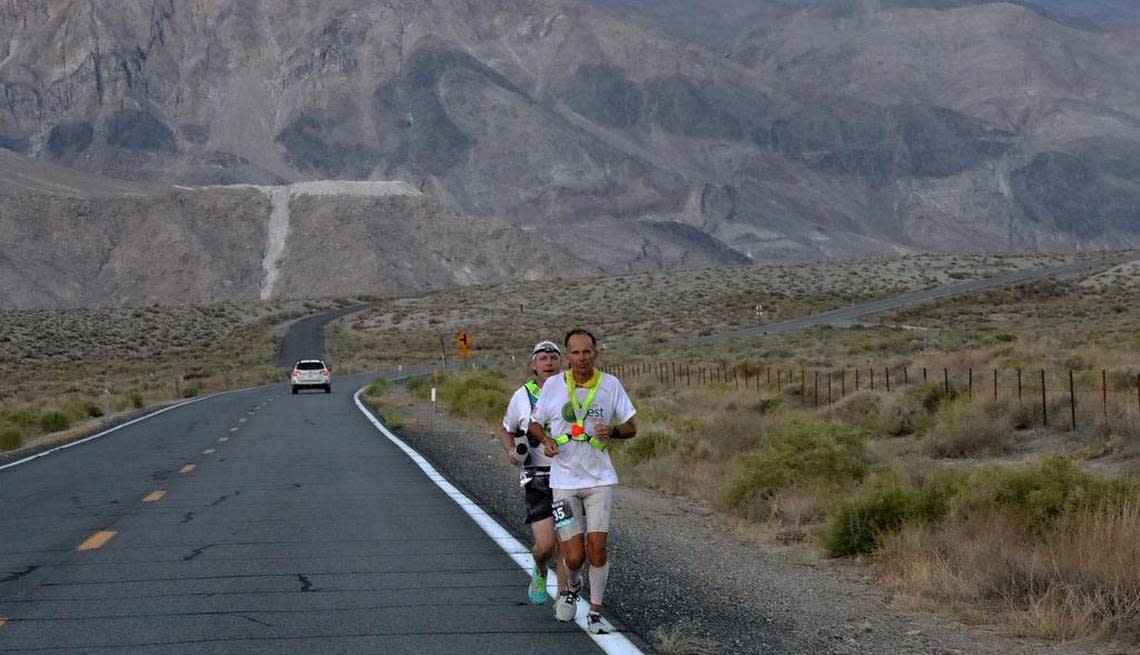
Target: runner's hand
x=550, y=448
x=603, y=431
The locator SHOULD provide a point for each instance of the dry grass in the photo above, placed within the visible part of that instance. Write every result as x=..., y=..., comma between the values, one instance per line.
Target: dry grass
x=969, y=429
x=675, y=640
x=1077, y=579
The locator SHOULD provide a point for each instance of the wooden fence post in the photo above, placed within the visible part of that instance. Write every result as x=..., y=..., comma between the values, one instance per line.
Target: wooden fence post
x=1104, y=391
x=1072, y=399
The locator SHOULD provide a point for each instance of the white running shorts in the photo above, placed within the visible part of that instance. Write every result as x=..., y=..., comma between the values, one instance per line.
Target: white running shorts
x=590, y=507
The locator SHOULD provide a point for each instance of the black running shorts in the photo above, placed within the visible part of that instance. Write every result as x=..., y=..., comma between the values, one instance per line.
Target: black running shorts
x=538, y=499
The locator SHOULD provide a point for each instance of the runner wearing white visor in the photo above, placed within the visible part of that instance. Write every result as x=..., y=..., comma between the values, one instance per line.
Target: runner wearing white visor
x=534, y=476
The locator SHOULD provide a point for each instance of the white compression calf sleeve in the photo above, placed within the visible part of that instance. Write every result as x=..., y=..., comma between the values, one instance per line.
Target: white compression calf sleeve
x=598, y=577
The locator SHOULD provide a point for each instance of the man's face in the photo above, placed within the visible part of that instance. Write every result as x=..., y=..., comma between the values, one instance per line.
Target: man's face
x=581, y=354
x=546, y=364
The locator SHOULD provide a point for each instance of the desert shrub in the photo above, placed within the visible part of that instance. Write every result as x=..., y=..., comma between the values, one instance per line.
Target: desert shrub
x=881, y=414
x=968, y=429
x=54, y=421
x=24, y=418
x=932, y=396
x=1041, y=492
x=480, y=397
x=767, y=405
x=900, y=417
x=92, y=410
x=189, y=391
x=799, y=453
x=857, y=526
x=136, y=400
x=378, y=387
x=420, y=386
x=649, y=444
x=861, y=408
x=10, y=438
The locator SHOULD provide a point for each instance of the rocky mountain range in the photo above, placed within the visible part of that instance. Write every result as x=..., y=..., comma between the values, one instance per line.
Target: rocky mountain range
x=616, y=134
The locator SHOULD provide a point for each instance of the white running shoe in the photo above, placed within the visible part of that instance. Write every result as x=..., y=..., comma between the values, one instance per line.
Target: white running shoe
x=597, y=625
x=566, y=605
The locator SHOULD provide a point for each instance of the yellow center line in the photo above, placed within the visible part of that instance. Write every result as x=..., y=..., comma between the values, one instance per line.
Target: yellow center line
x=97, y=540
x=242, y=420
x=233, y=429
x=3, y=620
x=223, y=439
x=154, y=496
x=188, y=468
x=208, y=451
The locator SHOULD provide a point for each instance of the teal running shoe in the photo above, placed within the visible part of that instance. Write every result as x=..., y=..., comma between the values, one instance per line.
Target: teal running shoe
x=537, y=589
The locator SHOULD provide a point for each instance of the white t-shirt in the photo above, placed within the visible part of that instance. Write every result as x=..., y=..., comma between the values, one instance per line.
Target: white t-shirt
x=517, y=419
x=578, y=464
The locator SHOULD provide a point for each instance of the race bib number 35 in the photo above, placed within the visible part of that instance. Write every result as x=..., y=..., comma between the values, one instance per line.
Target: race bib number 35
x=563, y=513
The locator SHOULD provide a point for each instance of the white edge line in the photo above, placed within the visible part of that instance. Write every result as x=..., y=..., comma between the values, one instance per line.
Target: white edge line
x=612, y=644
x=106, y=432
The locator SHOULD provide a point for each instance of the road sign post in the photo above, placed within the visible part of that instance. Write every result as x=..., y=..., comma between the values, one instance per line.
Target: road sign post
x=465, y=341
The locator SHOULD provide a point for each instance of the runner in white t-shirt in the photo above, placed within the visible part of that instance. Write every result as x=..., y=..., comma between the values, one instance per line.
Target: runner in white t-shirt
x=584, y=408
x=545, y=361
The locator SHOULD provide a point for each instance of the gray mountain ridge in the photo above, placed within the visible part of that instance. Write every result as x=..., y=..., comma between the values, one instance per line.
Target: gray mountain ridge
x=772, y=130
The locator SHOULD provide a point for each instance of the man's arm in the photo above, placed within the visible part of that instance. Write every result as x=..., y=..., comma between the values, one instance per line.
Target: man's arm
x=508, y=441
x=538, y=431
x=627, y=430
x=517, y=410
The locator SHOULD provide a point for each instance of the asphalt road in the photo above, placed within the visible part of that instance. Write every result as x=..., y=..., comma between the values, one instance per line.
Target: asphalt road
x=306, y=338
x=284, y=524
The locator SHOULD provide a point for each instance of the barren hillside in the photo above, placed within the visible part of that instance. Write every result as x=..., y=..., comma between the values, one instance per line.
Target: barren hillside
x=829, y=129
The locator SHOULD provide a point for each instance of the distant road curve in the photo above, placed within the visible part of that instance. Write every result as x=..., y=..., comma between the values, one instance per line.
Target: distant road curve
x=306, y=338
x=845, y=314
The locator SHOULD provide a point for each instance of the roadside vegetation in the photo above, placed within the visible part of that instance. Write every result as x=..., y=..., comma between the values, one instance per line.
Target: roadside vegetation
x=74, y=369
x=963, y=503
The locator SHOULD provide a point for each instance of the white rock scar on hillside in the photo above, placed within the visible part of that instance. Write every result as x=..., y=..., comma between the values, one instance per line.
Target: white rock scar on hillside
x=279, y=199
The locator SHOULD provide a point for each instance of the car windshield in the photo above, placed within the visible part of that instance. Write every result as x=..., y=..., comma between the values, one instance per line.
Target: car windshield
x=310, y=366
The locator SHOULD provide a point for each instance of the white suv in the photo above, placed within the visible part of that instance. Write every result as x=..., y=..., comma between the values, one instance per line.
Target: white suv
x=311, y=374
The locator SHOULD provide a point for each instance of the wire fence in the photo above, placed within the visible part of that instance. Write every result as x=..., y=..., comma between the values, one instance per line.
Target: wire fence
x=1064, y=398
